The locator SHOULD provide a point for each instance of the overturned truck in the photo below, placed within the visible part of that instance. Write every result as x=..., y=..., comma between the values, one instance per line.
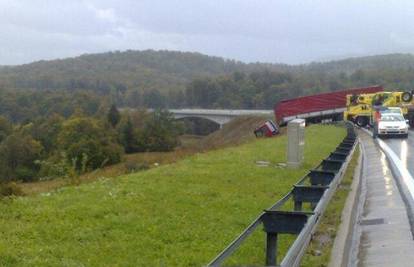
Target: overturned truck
x=320, y=107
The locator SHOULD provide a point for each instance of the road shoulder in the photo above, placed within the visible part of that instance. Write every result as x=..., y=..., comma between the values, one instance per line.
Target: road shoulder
x=385, y=234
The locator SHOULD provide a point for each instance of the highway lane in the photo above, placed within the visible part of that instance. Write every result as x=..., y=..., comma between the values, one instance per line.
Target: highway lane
x=404, y=149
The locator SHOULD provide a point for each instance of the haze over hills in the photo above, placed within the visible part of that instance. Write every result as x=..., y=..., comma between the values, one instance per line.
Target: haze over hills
x=368, y=63
x=182, y=79
x=165, y=70
x=149, y=69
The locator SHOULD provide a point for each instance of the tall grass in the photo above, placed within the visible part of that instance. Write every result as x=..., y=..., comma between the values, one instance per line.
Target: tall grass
x=180, y=214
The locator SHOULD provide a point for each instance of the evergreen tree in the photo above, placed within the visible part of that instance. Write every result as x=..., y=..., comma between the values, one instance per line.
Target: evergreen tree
x=161, y=132
x=128, y=137
x=113, y=116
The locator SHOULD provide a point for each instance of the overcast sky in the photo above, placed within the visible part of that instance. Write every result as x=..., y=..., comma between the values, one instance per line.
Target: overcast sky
x=291, y=31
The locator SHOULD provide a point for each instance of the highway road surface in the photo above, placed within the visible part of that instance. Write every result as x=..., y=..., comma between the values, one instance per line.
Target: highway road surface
x=383, y=232
x=404, y=149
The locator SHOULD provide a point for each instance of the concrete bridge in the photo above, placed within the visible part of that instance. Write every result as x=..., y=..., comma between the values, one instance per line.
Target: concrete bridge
x=219, y=116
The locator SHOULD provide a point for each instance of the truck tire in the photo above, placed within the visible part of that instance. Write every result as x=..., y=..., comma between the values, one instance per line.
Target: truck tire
x=410, y=118
x=361, y=121
x=406, y=97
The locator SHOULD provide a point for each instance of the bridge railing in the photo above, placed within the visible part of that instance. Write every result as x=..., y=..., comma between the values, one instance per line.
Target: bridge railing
x=316, y=188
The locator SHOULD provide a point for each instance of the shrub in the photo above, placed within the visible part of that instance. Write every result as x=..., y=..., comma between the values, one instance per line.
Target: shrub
x=55, y=166
x=89, y=144
x=133, y=166
x=10, y=189
x=161, y=132
x=18, y=153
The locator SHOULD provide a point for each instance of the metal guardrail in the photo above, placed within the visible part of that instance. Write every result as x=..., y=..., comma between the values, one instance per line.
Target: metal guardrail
x=317, y=188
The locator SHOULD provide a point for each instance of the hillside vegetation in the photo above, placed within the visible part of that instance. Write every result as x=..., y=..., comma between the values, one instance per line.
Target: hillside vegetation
x=161, y=70
x=159, y=79
x=181, y=214
x=236, y=132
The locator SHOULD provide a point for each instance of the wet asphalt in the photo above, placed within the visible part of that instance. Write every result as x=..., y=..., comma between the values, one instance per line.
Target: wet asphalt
x=404, y=149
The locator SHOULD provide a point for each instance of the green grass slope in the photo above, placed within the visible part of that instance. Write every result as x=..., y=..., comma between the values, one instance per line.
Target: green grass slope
x=181, y=214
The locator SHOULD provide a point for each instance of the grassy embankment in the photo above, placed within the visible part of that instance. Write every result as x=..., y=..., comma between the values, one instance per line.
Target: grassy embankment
x=179, y=214
x=236, y=132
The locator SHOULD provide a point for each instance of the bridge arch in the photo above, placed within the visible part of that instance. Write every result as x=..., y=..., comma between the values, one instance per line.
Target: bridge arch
x=219, y=116
x=220, y=120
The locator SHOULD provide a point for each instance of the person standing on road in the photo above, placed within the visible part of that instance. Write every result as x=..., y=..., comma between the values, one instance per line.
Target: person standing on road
x=377, y=116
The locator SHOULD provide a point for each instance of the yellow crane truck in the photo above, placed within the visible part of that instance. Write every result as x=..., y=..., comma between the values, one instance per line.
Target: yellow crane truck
x=359, y=108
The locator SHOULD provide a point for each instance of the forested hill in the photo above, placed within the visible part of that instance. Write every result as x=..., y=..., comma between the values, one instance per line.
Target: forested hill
x=369, y=63
x=166, y=71
x=144, y=70
x=158, y=79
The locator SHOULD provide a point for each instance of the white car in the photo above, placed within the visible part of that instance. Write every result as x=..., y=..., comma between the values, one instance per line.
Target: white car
x=392, y=124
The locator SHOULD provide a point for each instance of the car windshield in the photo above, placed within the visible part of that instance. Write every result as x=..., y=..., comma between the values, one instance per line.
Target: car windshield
x=391, y=111
x=392, y=117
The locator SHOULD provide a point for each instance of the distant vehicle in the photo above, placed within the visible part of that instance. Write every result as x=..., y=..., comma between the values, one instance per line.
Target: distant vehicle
x=319, y=107
x=268, y=129
x=392, y=110
x=359, y=108
x=391, y=123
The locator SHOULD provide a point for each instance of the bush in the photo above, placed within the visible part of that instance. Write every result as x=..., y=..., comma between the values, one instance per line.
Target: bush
x=55, y=166
x=133, y=166
x=161, y=132
x=26, y=174
x=18, y=153
x=89, y=144
x=10, y=189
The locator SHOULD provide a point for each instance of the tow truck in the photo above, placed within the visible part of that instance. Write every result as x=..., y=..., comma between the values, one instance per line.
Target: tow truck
x=359, y=108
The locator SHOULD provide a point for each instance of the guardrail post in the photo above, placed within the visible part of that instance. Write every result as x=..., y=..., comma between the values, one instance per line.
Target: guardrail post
x=271, y=249
x=298, y=205
x=338, y=156
x=342, y=149
x=308, y=194
x=281, y=222
x=319, y=177
x=332, y=165
x=278, y=222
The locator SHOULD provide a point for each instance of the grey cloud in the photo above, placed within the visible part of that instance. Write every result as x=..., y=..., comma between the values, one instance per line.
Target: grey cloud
x=291, y=31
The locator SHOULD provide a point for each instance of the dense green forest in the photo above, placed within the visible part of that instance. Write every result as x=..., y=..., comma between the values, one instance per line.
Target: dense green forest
x=58, y=118
x=54, y=146
x=118, y=71
x=159, y=79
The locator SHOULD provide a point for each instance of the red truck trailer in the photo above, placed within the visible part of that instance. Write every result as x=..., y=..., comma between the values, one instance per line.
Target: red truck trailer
x=315, y=108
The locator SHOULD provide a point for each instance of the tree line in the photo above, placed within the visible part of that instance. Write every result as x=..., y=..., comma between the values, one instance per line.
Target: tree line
x=55, y=146
x=168, y=79
x=237, y=90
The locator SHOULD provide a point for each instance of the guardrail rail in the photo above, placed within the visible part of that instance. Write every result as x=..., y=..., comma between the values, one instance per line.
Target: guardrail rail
x=317, y=188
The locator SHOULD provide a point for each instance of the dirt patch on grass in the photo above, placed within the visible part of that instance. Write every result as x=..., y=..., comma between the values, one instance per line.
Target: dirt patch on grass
x=236, y=132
